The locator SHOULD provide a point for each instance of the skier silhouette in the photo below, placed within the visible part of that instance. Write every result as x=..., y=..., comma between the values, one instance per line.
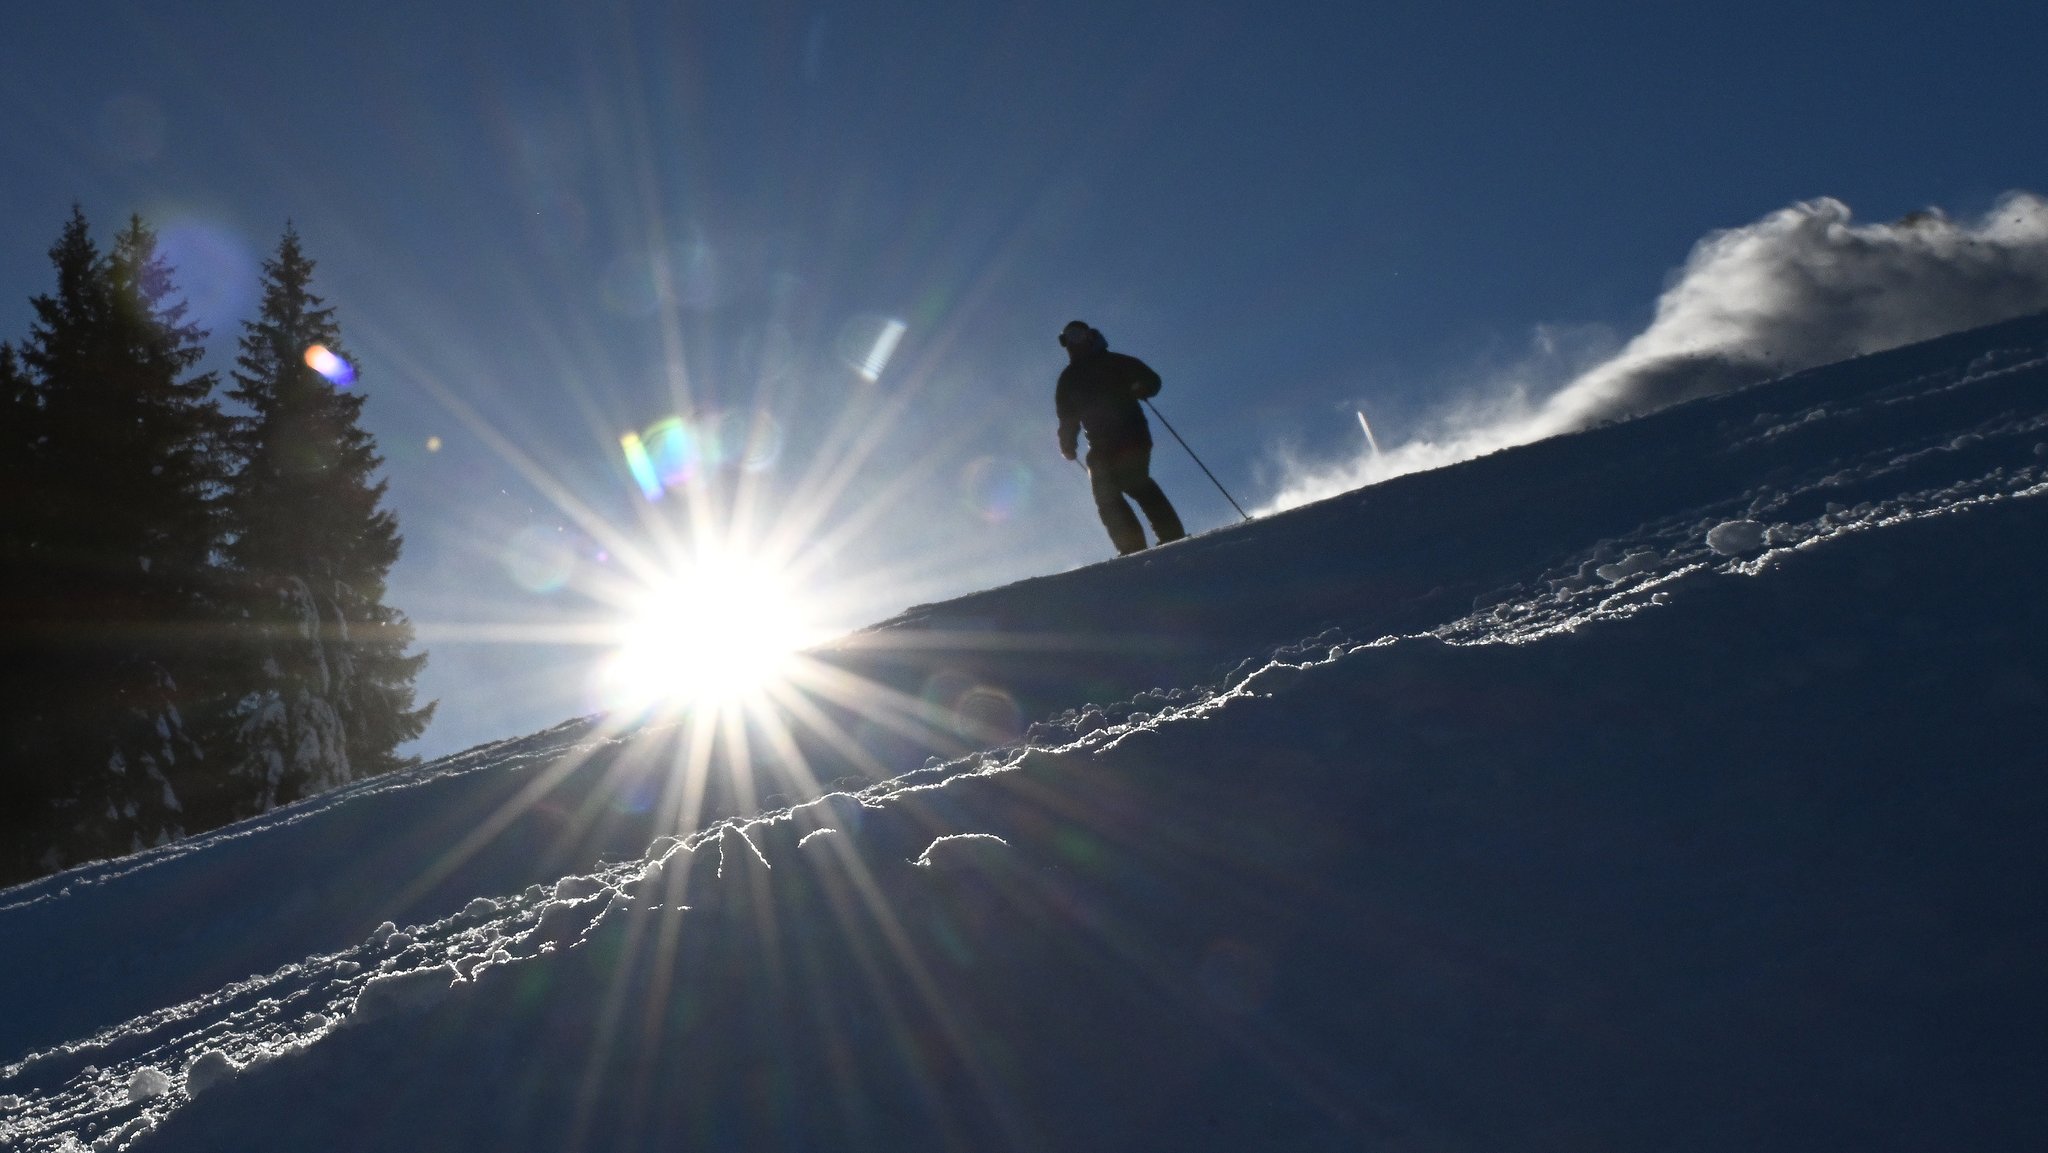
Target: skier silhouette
x=1098, y=393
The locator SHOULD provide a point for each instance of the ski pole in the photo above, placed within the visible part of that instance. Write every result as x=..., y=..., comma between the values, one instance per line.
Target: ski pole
x=1198, y=461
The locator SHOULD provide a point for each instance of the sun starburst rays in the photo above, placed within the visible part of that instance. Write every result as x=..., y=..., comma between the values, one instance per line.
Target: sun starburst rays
x=716, y=694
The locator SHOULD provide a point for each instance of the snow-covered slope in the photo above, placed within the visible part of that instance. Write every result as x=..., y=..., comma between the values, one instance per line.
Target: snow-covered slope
x=1679, y=785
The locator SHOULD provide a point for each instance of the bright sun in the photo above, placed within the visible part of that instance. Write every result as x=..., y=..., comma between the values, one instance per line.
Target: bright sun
x=722, y=628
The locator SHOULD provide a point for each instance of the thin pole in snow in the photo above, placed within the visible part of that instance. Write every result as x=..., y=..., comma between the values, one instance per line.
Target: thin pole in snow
x=1369, y=437
x=1198, y=462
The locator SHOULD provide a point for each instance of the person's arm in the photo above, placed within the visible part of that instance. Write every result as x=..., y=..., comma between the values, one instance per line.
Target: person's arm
x=1070, y=420
x=1144, y=382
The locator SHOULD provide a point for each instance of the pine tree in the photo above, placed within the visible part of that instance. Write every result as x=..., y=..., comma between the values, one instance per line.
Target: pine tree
x=20, y=799
x=120, y=547
x=19, y=431
x=331, y=683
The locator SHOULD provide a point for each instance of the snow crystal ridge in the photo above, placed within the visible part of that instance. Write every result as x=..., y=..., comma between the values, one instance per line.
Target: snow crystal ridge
x=956, y=851
x=249, y=1023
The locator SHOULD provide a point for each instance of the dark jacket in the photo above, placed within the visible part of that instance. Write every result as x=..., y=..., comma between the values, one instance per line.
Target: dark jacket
x=1099, y=392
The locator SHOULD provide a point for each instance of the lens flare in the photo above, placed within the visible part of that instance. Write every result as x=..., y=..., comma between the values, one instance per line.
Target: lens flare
x=995, y=488
x=966, y=705
x=987, y=713
x=540, y=558
x=753, y=441
x=884, y=349
x=215, y=271
x=676, y=451
x=338, y=372
x=867, y=344
x=640, y=465
x=666, y=455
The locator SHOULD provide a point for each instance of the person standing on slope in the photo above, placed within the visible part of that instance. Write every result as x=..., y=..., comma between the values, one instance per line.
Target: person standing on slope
x=1099, y=392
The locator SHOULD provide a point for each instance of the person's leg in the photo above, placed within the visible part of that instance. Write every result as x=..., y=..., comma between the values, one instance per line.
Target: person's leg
x=1134, y=475
x=1165, y=521
x=1124, y=530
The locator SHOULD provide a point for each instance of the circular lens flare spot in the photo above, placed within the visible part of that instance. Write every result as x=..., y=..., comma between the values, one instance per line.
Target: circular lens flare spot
x=989, y=714
x=676, y=451
x=540, y=559
x=215, y=272
x=753, y=440
x=338, y=372
x=996, y=489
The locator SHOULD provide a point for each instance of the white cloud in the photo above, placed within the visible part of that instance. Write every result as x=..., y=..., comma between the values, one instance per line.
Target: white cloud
x=1804, y=286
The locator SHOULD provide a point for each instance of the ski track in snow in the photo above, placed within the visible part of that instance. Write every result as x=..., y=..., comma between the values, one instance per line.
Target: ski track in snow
x=109, y=1090
x=1618, y=577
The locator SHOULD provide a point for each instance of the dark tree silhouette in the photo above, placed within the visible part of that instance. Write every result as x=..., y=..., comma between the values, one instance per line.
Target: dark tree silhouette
x=112, y=599
x=329, y=684
x=21, y=801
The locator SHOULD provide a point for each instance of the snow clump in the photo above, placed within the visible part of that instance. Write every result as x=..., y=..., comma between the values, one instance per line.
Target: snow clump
x=572, y=888
x=1736, y=537
x=1628, y=566
x=404, y=992
x=148, y=1081
x=208, y=1069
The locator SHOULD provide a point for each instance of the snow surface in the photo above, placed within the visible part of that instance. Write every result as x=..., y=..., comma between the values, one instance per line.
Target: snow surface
x=1678, y=784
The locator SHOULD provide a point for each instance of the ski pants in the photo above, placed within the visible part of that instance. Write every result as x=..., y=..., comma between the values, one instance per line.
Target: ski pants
x=1123, y=472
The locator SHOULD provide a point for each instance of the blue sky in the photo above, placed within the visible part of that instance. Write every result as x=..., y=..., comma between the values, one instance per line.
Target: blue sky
x=1291, y=212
